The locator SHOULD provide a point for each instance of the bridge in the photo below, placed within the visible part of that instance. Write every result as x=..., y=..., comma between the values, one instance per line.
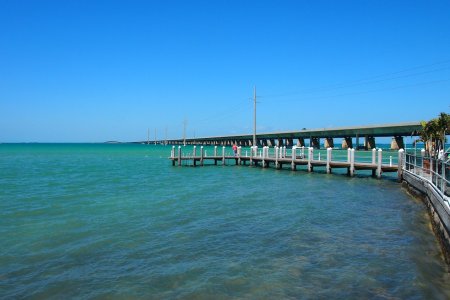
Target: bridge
x=297, y=138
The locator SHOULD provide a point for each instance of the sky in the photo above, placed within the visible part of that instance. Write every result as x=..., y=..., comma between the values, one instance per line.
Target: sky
x=95, y=71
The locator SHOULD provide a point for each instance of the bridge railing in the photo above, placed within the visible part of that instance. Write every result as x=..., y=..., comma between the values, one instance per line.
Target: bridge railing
x=435, y=170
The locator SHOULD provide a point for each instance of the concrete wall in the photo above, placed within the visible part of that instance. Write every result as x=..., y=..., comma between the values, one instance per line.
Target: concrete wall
x=438, y=208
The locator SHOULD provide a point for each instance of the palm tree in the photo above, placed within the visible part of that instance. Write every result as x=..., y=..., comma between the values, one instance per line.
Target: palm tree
x=443, y=125
x=434, y=132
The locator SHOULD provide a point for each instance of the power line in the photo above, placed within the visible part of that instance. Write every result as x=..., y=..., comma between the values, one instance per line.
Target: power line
x=369, y=80
x=367, y=92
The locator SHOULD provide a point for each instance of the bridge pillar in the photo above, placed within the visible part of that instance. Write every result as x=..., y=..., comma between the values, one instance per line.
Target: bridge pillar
x=315, y=143
x=301, y=142
x=397, y=143
x=329, y=143
x=369, y=142
x=347, y=143
x=280, y=142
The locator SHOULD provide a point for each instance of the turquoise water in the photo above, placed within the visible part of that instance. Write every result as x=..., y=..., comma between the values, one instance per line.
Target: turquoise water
x=118, y=221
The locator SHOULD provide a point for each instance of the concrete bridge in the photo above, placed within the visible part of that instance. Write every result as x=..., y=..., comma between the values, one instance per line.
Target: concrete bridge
x=292, y=138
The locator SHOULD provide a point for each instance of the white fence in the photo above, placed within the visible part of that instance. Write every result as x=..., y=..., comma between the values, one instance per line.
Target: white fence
x=436, y=171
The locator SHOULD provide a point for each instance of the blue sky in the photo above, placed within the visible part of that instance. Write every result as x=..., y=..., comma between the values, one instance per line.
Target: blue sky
x=92, y=71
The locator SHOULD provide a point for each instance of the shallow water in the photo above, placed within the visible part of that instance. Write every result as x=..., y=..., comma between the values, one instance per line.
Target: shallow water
x=118, y=221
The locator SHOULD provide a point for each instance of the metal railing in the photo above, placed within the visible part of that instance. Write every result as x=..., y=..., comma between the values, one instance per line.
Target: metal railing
x=436, y=171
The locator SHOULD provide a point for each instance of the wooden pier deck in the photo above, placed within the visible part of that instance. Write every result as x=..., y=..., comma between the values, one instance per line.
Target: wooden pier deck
x=281, y=158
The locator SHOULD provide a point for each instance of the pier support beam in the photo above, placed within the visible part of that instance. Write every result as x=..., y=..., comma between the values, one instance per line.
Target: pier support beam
x=280, y=142
x=369, y=142
x=202, y=155
x=329, y=149
x=380, y=161
x=301, y=142
x=223, y=156
x=329, y=143
x=397, y=143
x=293, y=157
x=277, y=154
x=315, y=143
x=310, y=157
x=347, y=143
x=172, y=155
x=352, y=162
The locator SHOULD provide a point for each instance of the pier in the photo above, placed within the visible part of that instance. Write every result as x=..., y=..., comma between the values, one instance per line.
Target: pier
x=296, y=156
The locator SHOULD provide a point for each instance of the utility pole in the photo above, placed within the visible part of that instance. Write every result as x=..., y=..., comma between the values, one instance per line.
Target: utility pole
x=184, y=131
x=165, y=142
x=254, y=116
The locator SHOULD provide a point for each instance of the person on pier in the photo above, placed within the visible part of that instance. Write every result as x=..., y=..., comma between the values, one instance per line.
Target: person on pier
x=235, y=149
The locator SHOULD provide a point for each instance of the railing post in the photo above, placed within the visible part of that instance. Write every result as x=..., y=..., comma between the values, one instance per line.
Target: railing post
x=422, y=152
x=349, y=153
x=329, y=160
x=264, y=156
x=374, y=156
x=431, y=167
x=179, y=155
x=310, y=154
x=277, y=149
x=239, y=154
x=380, y=158
x=172, y=155
x=263, y=153
x=352, y=162
x=194, y=152
x=202, y=154
x=293, y=156
x=400, y=165
x=215, y=150
x=443, y=182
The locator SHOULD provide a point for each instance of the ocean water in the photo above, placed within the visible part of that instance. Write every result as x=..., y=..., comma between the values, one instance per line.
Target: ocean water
x=109, y=221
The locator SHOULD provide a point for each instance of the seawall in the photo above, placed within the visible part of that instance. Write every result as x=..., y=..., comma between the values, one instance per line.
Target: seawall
x=438, y=208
